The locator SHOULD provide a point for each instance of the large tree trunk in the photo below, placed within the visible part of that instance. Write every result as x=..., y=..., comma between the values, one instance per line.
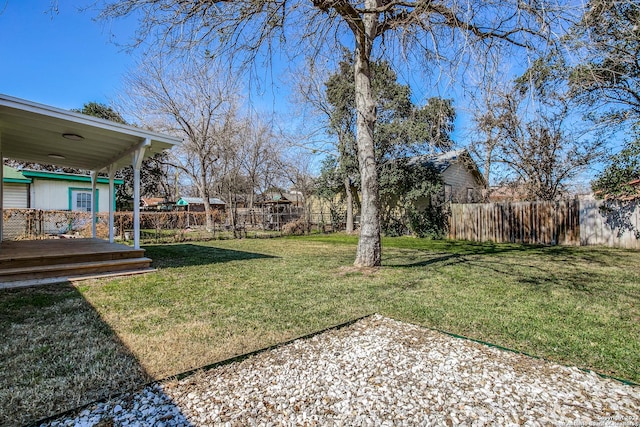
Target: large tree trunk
x=207, y=212
x=369, y=252
x=349, y=201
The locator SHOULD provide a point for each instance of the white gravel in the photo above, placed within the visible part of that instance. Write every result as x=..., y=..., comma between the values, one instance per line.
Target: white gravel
x=377, y=372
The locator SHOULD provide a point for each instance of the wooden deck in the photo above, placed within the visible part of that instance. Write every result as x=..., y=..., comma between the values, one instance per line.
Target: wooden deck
x=24, y=260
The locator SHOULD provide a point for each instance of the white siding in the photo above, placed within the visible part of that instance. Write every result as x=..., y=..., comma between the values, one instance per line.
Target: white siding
x=15, y=196
x=56, y=195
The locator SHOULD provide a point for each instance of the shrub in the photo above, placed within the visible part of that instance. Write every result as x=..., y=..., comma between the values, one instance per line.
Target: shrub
x=295, y=228
x=102, y=230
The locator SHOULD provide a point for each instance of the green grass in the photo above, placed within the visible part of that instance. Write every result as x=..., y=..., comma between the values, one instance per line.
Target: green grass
x=153, y=236
x=211, y=301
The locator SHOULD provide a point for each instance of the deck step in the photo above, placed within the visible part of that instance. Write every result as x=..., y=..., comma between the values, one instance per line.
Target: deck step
x=74, y=269
x=40, y=260
x=71, y=279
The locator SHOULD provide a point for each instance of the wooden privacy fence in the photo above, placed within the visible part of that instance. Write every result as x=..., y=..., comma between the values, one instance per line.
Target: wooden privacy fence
x=566, y=222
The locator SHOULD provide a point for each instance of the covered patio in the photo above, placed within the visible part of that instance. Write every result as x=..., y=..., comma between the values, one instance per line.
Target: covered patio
x=43, y=134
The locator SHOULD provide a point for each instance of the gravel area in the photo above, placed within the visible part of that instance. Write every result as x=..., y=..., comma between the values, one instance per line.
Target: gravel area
x=377, y=372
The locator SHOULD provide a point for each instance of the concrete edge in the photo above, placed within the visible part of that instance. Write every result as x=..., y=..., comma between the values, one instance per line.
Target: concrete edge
x=71, y=279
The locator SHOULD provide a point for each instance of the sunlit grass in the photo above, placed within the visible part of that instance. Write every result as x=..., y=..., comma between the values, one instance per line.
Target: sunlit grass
x=211, y=301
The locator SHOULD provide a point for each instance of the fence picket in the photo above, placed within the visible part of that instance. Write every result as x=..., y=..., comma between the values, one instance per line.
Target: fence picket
x=566, y=222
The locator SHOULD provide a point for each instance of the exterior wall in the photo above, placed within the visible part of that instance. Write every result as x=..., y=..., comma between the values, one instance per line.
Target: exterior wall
x=461, y=180
x=15, y=196
x=56, y=194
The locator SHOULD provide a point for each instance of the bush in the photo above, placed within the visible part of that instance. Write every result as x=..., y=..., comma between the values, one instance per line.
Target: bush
x=430, y=222
x=102, y=230
x=295, y=228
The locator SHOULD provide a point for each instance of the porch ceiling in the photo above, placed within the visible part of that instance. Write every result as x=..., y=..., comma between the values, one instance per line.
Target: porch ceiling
x=33, y=132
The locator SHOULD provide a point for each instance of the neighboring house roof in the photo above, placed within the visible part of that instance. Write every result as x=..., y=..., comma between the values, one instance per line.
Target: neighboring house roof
x=442, y=161
x=184, y=201
x=626, y=197
x=636, y=186
x=506, y=193
x=151, y=201
x=273, y=198
x=27, y=176
x=66, y=176
x=13, y=175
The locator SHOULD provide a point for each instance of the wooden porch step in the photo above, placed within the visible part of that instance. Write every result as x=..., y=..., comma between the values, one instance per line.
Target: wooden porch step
x=43, y=261
x=74, y=269
x=63, y=257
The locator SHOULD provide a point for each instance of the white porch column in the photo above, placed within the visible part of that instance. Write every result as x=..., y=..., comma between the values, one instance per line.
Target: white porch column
x=112, y=202
x=138, y=155
x=1, y=191
x=94, y=201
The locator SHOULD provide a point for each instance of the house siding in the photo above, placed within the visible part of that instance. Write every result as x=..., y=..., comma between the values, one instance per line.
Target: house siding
x=458, y=177
x=55, y=195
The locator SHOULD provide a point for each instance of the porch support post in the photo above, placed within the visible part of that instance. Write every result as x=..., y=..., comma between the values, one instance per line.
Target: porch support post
x=94, y=203
x=112, y=202
x=138, y=155
x=1, y=191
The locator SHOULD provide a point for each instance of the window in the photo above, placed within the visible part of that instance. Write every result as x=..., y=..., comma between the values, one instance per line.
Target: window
x=81, y=201
x=448, y=193
x=470, y=193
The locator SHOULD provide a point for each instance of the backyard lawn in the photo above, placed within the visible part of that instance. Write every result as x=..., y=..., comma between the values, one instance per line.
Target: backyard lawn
x=64, y=345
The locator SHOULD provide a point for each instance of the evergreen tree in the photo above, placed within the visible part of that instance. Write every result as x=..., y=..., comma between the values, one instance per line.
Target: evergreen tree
x=403, y=130
x=623, y=168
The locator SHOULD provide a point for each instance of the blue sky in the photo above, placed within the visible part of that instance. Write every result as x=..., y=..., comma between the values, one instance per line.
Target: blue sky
x=67, y=59
x=64, y=60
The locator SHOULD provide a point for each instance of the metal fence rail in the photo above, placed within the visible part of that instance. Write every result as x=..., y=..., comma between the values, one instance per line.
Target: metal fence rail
x=41, y=224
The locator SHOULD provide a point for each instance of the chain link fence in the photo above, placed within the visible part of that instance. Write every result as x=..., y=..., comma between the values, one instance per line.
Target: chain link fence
x=20, y=224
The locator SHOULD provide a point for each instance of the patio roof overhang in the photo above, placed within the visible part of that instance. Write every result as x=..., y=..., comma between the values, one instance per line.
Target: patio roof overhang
x=34, y=132
x=40, y=133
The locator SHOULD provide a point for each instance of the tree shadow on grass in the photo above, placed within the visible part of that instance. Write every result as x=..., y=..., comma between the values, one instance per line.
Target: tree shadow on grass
x=448, y=252
x=585, y=271
x=451, y=252
x=186, y=254
x=436, y=259
x=57, y=354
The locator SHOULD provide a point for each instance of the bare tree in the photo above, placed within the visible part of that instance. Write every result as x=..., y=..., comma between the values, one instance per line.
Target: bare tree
x=250, y=160
x=230, y=182
x=433, y=30
x=607, y=76
x=487, y=110
x=260, y=151
x=297, y=171
x=194, y=100
x=311, y=90
x=535, y=142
